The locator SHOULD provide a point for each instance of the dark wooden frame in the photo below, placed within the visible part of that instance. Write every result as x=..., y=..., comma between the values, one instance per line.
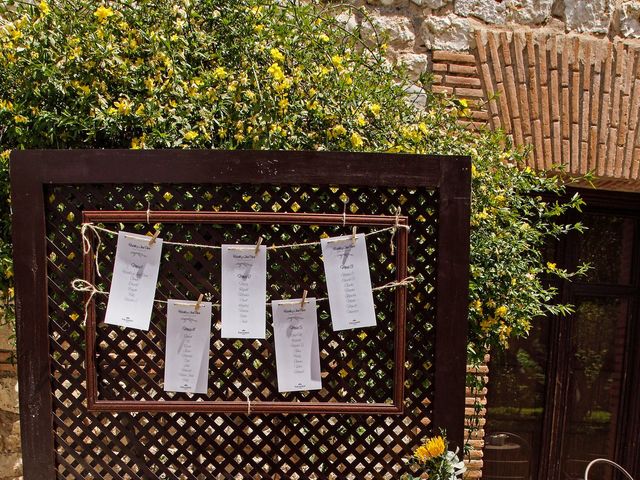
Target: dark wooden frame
x=94, y=404
x=32, y=170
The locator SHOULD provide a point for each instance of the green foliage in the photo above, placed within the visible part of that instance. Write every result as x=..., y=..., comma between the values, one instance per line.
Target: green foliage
x=247, y=74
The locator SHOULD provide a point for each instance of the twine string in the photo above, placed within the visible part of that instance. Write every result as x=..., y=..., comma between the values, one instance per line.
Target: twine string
x=86, y=244
x=395, y=229
x=96, y=229
x=82, y=285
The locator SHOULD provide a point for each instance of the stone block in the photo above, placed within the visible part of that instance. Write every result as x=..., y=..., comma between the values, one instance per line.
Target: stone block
x=9, y=433
x=449, y=32
x=593, y=16
x=11, y=442
x=415, y=95
x=395, y=30
x=10, y=465
x=348, y=20
x=433, y=4
x=9, y=394
x=629, y=13
x=415, y=63
x=6, y=332
x=489, y=11
x=384, y=3
x=530, y=12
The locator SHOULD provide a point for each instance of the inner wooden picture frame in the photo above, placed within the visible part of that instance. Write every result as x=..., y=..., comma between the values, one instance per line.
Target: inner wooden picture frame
x=95, y=403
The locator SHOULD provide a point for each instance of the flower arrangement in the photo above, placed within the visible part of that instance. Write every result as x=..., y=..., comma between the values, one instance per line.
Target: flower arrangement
x=435, y=459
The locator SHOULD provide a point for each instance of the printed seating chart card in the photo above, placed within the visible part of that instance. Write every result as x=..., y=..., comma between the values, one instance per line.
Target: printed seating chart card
x=244, y=290
x=295, y=329
x=186, y=366
x=133, y=285
x=346, y=268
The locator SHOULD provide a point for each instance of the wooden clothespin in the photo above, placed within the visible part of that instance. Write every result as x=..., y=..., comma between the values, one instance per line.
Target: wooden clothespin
x=198, y=302
x=154, y=238
x=258, y=243
x=353, y=236
x=304, y=299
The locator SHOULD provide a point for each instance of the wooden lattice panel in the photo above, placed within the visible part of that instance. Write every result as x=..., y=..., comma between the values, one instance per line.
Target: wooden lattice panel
x=358, y=365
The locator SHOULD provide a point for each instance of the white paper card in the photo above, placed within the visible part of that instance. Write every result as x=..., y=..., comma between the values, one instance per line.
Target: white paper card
x=186, y=364
x=297, y=348
x=244, y=291
x=346, y=267
x=133, y=285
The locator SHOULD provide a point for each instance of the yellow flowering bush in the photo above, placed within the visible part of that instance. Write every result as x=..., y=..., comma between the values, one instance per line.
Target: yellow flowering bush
x=248, y=74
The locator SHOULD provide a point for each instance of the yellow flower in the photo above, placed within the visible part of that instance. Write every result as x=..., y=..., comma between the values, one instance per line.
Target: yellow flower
x=501, y=311
x=137, y=143
x=20, y=119
x=44, y=7
x=324, y=37
x=102, y=13
x=219, y=73
x=337, y=61
x=6, y=105
x=375, y=109
x=149, y=83
x=276, y=72
x=361, y=121
x=551, y=266
x=124, y=106
x=356, y=140
x=433, y=447
x=258, y=28
x=5, y=155
x=487, y=323
x=283, y=104
x=336, y=131
x=190, y=135
x=277, y=55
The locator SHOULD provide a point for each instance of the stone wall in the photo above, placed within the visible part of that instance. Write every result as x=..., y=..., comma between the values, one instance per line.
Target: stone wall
x=560, y=76
x=10, y=459
x=414, y=28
